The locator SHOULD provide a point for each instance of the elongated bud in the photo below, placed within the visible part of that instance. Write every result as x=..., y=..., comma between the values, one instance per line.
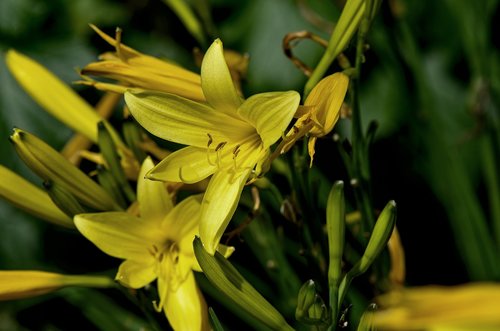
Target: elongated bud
x=17, y=284
x=109, y=183
x=378, y=240
x=335, y=225
x=50, y=165
x=230, y=282
x=53, y=95
x=305, y=299
x=21, y=193
x=133, y=133
x=109, y=152
x=64, y=199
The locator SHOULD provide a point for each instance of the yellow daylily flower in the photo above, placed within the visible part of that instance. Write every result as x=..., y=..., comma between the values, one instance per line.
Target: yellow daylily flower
x=156, y=245
x=53, y=95
x=227, y=137
x=320, y=112
x=142, y=71
x=19, y=284
x=474, y=306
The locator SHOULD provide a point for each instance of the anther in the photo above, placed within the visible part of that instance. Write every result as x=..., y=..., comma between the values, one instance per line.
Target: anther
x=210, y=139
x=236, y=151
x=220, y=146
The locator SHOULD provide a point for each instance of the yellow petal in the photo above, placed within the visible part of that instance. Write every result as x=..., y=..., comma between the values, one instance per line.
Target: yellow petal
x=53, y=95
x=142, y=77
x=188, y=165
x=472, y=306
x=186, y=308
x=216, y=80
x=135, y=274
x=218, y=206
x=119, y=234
x=327, y=98
x=30, y=198
x=183, y=219
x=18, y=284
x=270, y=113
x=154, y=200
x=183, y=121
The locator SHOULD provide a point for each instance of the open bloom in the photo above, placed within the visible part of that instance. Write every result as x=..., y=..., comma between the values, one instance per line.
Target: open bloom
x=156, y=245
x=228, y=137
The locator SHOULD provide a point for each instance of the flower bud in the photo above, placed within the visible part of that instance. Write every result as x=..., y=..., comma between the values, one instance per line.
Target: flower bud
x=50, y=165
x=21, y=193
x=53, y=95
x=305, y=299
x=18, y=284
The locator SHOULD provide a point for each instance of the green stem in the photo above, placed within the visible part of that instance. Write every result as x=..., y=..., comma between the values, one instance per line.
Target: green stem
x=492, y=183
x=361, y=166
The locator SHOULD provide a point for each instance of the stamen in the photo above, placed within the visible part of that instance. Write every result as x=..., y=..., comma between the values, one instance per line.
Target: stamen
x=210, y=139
x=118, y=38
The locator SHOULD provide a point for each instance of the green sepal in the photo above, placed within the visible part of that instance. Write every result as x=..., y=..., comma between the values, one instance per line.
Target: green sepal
x=63, y=199
x=110, y=154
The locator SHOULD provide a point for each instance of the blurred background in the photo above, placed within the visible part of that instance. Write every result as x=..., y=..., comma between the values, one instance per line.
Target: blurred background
x=431, y=81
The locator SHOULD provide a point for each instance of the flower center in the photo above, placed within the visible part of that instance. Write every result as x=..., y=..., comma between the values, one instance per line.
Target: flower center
x=169, y=250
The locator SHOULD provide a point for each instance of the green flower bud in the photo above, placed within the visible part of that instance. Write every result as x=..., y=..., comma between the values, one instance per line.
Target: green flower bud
x=50, y=165
x=380, y=236
x=305, y=299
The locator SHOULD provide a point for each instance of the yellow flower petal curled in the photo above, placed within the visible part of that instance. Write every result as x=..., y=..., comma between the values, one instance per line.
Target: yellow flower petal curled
x=326, y=98
x=142, y=71
x=320, y=112
x=19, y=284
x=229, y=137
x=53, y=95
x=30, y=198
